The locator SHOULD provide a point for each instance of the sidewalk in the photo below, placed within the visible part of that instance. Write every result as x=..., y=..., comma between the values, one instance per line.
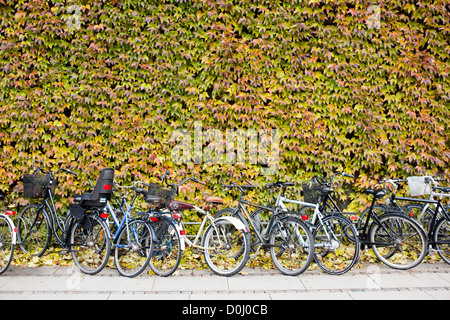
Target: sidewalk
x=373, y=281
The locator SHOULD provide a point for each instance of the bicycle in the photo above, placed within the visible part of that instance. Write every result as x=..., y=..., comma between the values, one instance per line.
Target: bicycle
x=169, y=238
x=225, y=244
x=132, y=237
x=336, y=241
x=288, y=239
x=421, y=186
x=396, y=239
x=83, y=232
x=7, y=238
x=438, y=223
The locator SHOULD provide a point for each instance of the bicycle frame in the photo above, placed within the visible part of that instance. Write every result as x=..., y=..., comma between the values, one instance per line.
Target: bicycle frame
x=126, y=218
x=272, y=220
x=433, y=194
x=53, y=215
x=439, y=209
x=247, y=216
x=239, y=225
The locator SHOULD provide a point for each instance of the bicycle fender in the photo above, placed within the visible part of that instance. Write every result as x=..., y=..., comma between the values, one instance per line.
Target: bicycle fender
x=235, y=221
x=13, y=227
x=182, y=236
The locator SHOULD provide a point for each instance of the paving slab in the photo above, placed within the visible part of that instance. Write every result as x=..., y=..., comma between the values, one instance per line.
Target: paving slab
x=230, y=296
x=427, y=281
x=327, y=282
x=271, y=283
x=41, y=283
x=119, y=283
x=411, y=280
x=190, y=283
x=68, y=296
x=317, y=295
x=391, y=295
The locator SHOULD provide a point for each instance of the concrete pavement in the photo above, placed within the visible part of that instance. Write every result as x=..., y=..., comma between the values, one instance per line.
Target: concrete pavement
x=372, y=281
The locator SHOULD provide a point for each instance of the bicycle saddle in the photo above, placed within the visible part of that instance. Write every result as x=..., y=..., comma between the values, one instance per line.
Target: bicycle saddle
x=101, y=193
x=324, y=190
x=443, y=189
x=377, y=193
x=152, y=199
x=213, y=199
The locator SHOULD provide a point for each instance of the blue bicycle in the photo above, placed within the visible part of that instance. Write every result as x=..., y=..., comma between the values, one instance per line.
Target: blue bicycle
x=132, y=237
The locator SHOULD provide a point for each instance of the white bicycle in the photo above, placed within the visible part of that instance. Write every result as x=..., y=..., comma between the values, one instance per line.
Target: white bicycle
x=7, y=239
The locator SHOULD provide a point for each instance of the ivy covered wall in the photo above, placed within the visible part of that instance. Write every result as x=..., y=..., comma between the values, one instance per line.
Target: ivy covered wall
x=360, y=86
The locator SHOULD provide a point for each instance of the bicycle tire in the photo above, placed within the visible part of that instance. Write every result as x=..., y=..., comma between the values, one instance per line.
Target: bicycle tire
x=396, y=240
x=90, y=246
x=442, y=234
x=133, y=248
x=336, y=244
x=6, y=243
x=291, y=244
x=167, y=251
x=227, y=243
x=34, y=230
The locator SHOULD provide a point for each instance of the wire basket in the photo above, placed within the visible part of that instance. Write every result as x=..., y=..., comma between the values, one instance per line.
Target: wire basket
x=418, y=186
x=158, y=191
x=35, y=186
x=310, y=194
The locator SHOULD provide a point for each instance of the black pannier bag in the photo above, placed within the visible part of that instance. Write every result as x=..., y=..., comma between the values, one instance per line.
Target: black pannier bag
x=79, y=213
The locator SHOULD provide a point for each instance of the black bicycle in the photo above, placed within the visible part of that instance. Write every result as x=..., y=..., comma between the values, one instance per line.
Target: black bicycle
x=396, y=239
x=288, y=239
x=437, y=222
x=83, y=231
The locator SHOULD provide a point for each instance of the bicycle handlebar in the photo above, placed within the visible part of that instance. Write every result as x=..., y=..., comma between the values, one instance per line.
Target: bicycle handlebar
x=53, y=173
x=279, y=184
x=242, y=188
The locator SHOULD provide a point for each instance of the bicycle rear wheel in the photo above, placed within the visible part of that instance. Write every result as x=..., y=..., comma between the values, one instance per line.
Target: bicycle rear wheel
x=226, y=248
x=133, y=248
x=90, y=246
x=336, y=244
x=399, y=241
x=6, y=244
x=167, y=252
x=291, y=245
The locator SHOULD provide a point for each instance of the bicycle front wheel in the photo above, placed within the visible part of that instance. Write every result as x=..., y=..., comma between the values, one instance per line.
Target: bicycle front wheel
x=291, y=245
x=34, y=230
x=336, y=244
x=442, y=239
x=226, y=248
x=133, y=248
x=398, y=241
x=90, y=244
x=6, y=244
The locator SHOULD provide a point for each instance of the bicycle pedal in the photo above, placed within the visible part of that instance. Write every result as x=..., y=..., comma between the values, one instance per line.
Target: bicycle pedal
x=64, y=251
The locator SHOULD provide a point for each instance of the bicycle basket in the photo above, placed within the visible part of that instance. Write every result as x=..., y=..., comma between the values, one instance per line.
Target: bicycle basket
x=309, y=194
x=34, y=186
x=160, y=192
x=418, y=186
